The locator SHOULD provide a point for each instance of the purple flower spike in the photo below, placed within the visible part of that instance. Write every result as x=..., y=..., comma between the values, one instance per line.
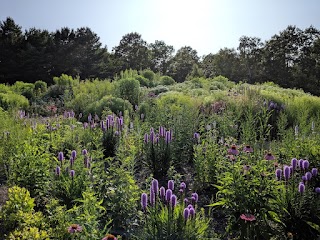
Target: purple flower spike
x=294, y=163
x=155, y=186
x=301, y=188
x=144, y=201
x=308, y=176
x=183, y=186
x=152, y=198
x=195, y=196
x=286, y=173
x=304, y=178
x=162, y=192
x=60, y=156
x=173, y=200
x=74, y=154
x=314, y=171
x=171, y=185
x=185, y=201
x=168, y=195
x=305, y=164
x=168, y=138
x=58, y=171
x=192, y=212
x=84, y=152
x=317, y=190
x=190, y=206
x=71, y=161
x=300, y=163
x=278, y=173
x=146, y=138
x=186, y=213
x=72, y=173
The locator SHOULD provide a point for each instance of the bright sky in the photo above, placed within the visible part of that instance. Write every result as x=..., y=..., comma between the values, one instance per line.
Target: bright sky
x=205, y=25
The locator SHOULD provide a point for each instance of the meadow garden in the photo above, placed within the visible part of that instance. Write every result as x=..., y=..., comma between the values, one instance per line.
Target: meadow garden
x=144, y=157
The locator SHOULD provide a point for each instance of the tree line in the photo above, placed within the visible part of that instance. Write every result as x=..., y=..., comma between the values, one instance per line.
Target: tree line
x=290, y=58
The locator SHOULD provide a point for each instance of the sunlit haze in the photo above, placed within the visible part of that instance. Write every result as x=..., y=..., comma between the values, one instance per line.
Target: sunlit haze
x=205, y=25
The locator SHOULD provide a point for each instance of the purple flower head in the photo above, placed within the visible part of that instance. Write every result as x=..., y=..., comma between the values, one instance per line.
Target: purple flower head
x=72, y=173
x=286, y=172
x=190, y=206
x=152, y=197
x=304, y=178
x=60, y=156
x=248, y=149
x=195, y=197
x=173, y=200
x=116, y=133
x=278, y=173
x=291, y=170
x=74, y=228
x=301, y=188
x=294, y=163
x=185, y=201
x=305, y=164
x=155, y=186
x=89, y=118
x=308, y=176
x=84, y=152
x=144, y=201
x=162, y=192
x=314, y=171
x=58, y=171
x=168, y=137
x=71, y=161
x=196, y=136
x=183, y=186
x=317, y=190
x=192, y=212
x=186, y=213
x=269, y=156
x=233, y=150
x=171, y=185
x=146, y=138
x=168, y=195
x=85, y=125
x=162, y=131
x=74, y=154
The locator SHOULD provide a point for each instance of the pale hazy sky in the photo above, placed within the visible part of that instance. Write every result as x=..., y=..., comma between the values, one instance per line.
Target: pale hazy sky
x=205, y=25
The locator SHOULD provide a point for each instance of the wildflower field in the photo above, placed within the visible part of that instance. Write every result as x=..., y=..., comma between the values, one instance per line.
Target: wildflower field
x=143, y=157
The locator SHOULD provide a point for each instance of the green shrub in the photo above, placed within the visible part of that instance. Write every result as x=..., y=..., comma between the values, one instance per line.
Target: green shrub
x=166, y=80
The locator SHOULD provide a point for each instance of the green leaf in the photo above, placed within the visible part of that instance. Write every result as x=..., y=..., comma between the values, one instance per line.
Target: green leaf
x=220, y=203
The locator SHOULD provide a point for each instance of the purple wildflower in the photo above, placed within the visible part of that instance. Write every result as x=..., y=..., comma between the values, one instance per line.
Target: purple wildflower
x=190, y=206
x=162, y=192
x=168, y=195
x=71, y=161
x=294, y=163
x=72, y=173
x=286, y=173
x=233, y=150
x=171, y=185
x=74, y=228
x=269, y=156
x=305, y=164
x=308, y=176
x=173, y=200
x=300, y=163
x=60, y=156
x=146, y=138
x=74, y=154
x=195, y=197
x=84, y=152
x=317, y=190
x=186, y=213
x=314, y=171
x=185, y=201
x=144, y=201
x=155, y=186
x=58, y=171
x=168, y=137
x=278, y=173
x=304, y=178
x=152, y=197
x=192, y=212
x=248, y=149
x=183, y=186
x=301, y=188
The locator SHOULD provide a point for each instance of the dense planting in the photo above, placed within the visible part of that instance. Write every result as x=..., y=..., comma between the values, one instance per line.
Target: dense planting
x=123, y=159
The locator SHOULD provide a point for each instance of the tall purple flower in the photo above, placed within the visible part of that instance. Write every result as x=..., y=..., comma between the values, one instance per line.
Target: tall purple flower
x=233, y=150
x=314, y=171
x=146, y=138
x=305, y=164
x=308, y=176
x=84, y=152
x=173, y=200
x=60, y=156
x=168, y=195
x=269, y=156
x=304, y=178
x=58, y=171
x=71, y=161
x=300, y=163
x=186, y=213
x=192, y=212
x=196, y=136
x=155, y=186
x=278, y=173
x=171, y=185
x=183, y=186
x=74, y=154
x=286, y=173
x=152, y=197
x=168, y=137
x=301, y=188
x=162, y=192
x=294, y=163
x=144, y=201
x=317, y=190
x=72, y=173
x=194, y=197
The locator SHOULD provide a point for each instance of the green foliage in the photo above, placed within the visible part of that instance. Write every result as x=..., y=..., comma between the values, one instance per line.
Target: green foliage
x=13, y=101
x=129, y=89
x=25, y=89
x=166, y=80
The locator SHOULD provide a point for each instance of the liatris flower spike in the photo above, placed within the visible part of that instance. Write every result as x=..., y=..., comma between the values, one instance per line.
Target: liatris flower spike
x=144, y=201
x=171, y=185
